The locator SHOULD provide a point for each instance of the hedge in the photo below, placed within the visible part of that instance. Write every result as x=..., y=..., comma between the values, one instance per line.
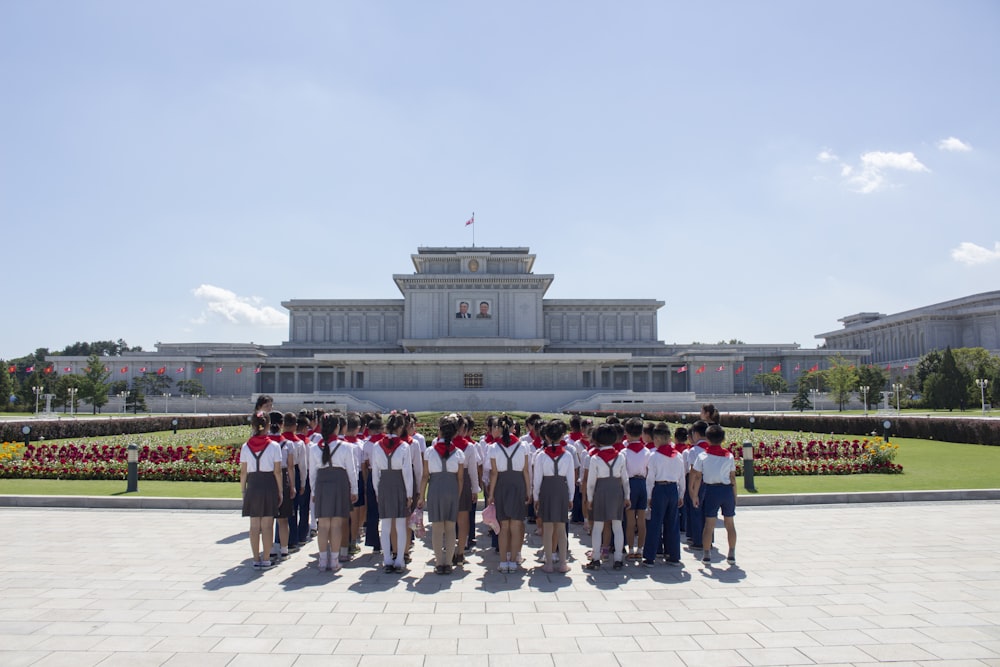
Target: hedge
x=89, y=428
x=947, y=429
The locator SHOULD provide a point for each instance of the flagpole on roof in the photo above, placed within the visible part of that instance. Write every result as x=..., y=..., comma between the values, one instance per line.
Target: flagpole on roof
x=472, y=221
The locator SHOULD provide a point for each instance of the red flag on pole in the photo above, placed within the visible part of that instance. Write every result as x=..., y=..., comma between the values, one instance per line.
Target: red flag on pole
x=814, y=368
x=776, y=369
x=471, y=221
x=701, y=369
x=218, y=369
x=720, y=368
x=12, y=369
x=257, y=370
x=142, y=370
x=888, y=367
x=161, y=370
x=682, y=369
x=68, y=369
x=48, y=369
x=906, y=367
x=739, y=370
x=29, y=369
x=239, y=370
x=123, y=369
x=797, y=367
x=180, y=369
x=200, y=369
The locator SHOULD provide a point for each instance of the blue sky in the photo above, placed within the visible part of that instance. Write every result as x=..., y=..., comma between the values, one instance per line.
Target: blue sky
x=172, y=171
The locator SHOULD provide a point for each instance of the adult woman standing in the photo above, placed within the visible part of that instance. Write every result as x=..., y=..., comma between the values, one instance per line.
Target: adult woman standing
x=508, y=491
x=260, y=487
x=333, y=477
x=440, y=491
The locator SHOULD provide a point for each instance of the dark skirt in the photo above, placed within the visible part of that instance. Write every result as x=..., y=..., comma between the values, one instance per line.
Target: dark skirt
x=261, y=497
x=392, y=500
x=287, y=507
x=509, y=496
x=465, y=500
x=442, y=497
x=333, y=494
x=608, y=503
x=553, y=499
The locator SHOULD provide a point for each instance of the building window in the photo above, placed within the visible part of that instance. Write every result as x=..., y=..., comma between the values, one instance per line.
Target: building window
x=473, y=380
x=359, y=379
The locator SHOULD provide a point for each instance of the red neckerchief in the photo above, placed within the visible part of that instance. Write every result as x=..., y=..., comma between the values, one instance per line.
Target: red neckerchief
x=537, y=442
x=718, y=450
x=460, y=442
x=289, y=436
x=555, y=451
x=258, y=443
x=490, y=439
x=442, y=448
x=576, y=435
x=667, y=450
x=607, y=454
x=377, y=438
x=583, y=442
x=365, y=434
x=351, y=438
x=636, y=447
x=327, y=443
x=390, y=444
x=408, y=439
x=650, y=445
x=619, y=446
x=274, y=437
x=681, y=447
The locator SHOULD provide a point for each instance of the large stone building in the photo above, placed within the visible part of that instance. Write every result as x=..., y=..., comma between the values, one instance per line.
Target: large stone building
x=473, y=330
x=902, y=338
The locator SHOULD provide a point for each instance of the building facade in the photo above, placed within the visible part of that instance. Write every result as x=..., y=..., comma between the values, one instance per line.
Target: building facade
x=473, y=330
x=902, y=338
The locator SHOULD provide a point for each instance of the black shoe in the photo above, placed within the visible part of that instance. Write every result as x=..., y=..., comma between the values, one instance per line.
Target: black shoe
x=439, y=569
x=618, y=565
x=646, y=562
x=593, y=565
x=389, y=569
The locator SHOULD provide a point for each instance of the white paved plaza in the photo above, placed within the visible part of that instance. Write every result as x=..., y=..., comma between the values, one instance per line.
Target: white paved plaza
x=912, y=584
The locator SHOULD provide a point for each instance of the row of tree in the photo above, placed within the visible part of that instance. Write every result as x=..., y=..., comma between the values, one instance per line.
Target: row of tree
x=94, y=386
x=942, y=380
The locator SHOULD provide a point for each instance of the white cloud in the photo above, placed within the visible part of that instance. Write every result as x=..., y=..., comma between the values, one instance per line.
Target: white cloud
x=972, y=254
x=827, y=156
x=237, y=309
x=871, y=175
x=954, y=145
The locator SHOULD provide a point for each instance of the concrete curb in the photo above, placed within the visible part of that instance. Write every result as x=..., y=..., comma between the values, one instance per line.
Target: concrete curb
x=745, y=500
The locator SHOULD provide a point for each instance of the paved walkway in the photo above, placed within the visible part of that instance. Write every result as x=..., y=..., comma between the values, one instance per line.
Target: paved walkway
x=914, y=584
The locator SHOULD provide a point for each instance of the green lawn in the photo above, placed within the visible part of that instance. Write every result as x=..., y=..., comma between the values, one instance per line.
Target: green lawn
x=56, y=487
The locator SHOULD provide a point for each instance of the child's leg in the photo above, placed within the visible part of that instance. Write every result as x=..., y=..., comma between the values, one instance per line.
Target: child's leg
x=385, y=536
x=437, y=542
x=283, y=532
x=630, y=529
x=616, y=527
x=656, y=508
x=516, y=540
x=463, y=531
x=255, y=537
x=337, y=535
x=563, y=545
x=504, y=539
x=640, y=519
x=266, y=531
x=400, y=524
x=548, y=532
x=730, y=523
x=706, y=536
x=449, y=541
x=323, y=529
x=596, y=540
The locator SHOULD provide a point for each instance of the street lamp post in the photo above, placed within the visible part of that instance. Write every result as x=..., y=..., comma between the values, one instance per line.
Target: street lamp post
x=123, y=395
x=896, y=387
x=72, y=399
x=864, y=391
x=38, y=389
x=166, y=400
x=982, y=383
x=774, y=404
x=748, y=395
x=815, y=394
x=195, y=397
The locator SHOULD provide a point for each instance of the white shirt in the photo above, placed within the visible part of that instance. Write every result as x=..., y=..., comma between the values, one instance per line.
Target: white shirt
x=417, y=449
x=400, y=461
x=545, y=465
x=497, y=456
x=663, y=468
x=270, y=457
x=714, y=469
x=436, y=464
x=635, y=462
x=599, y=469
x=342, y=456
x=471, y=464
x=692, y=452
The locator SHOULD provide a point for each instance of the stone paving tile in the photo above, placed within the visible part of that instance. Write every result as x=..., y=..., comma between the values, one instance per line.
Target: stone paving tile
x=178, y=592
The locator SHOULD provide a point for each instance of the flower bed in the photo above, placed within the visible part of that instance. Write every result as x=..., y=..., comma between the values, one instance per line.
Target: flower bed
x=184, y=457
x=784, y=456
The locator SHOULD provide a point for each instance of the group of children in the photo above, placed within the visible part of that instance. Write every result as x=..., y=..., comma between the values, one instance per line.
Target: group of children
x=327, y=475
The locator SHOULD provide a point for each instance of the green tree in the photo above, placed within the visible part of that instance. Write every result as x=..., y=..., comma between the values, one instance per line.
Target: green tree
x=62, y=387
x=152, y=383
x=876, y=380
x=947, y=387
x=191, y=387
x=771, y=382
x=842, y=378
x=94, y=386
x=6, y=385
x=801, y=401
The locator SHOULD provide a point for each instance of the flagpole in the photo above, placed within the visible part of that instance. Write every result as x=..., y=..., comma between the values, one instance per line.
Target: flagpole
x=473, y=229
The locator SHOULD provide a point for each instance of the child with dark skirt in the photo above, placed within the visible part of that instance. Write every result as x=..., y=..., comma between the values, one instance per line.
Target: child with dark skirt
x=260, y=486
x=333, y=478
x=509, y=491
x=607, y=494
x=553, y=482
x=392, y=478
x=440, y=491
